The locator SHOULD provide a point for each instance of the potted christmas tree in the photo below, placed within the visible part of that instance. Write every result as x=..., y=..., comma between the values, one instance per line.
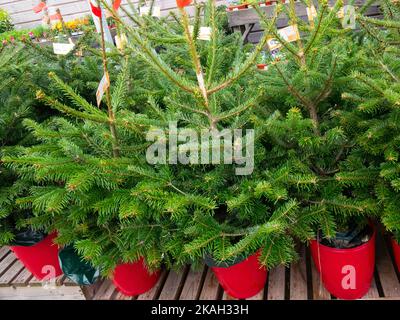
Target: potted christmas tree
x=316, y=136
x=375, y=91
x=236, y=223
x=34, y=248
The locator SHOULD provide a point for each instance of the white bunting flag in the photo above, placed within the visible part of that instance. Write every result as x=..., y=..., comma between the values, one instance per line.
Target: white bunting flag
x=99, y=16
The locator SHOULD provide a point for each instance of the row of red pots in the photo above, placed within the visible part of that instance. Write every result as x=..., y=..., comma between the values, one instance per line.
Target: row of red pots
x=346, y=273
x=42, y=261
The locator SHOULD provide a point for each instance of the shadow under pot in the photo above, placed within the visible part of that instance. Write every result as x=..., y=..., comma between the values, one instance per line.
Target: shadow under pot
x=396, y=253
x=242, y=278
x=38, y=253
x=346, y=272
x=132, y=279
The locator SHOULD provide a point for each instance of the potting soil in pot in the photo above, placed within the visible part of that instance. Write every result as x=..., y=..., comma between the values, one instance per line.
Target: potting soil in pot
x=28, y=238
x=351, y=238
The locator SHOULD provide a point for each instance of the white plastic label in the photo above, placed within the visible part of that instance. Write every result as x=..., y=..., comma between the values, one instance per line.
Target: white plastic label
x=63, y=48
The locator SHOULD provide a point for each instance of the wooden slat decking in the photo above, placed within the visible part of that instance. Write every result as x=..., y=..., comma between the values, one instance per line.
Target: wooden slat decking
x=16, y=282
x=300, y=281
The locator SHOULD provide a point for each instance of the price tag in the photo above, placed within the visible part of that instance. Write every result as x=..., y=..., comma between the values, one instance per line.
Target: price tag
x=311, y=13
x=273, y=44
x=121, y=41
x=290, y=33
x=103, y=86
x=63, y=48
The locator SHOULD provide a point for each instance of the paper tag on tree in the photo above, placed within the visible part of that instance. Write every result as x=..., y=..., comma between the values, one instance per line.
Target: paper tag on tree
x=63, y=48
x=121, y=41
x=145, y=10
x=273, y=44
x=348, y=17
x=311, y=13
x=204, y=33
x=290, y=33
x=103, y=86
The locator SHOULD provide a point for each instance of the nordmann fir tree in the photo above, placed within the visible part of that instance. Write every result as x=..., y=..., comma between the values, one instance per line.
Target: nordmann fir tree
x=25, y=65
x=94, y=184
x=376, y=91
x=216, y=212
x=307, y=133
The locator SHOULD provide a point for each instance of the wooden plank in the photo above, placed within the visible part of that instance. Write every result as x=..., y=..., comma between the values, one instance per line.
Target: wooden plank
x=319, y=291
x=22, y=279
x=40, y=293
x=6, y=263
x=105, y=291
x=210, y=287
x=386, y=271
x=90, y=291
x=3, y=252
x=373, y=292
x=120, y=296
x=298, y=277
x=11, y=273
x=171, y=286
x=192, y=285
x=276, y=284
x=226, y=296
x=153, y=292
x=34, y=282
x=258, y=296
x=68, y=282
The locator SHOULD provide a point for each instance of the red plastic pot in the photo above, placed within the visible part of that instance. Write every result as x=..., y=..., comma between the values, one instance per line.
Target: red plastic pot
x=345, y=273
x=244, y=279
x=40, y=259
x=133, y=279
x=396, y=252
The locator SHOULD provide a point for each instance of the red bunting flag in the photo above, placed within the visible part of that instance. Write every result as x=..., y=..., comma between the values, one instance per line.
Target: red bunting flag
x=95, y=10
x=183, y=3
x=116, y=4
x=98, y=19
x=39, y=7
x=55, y=16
